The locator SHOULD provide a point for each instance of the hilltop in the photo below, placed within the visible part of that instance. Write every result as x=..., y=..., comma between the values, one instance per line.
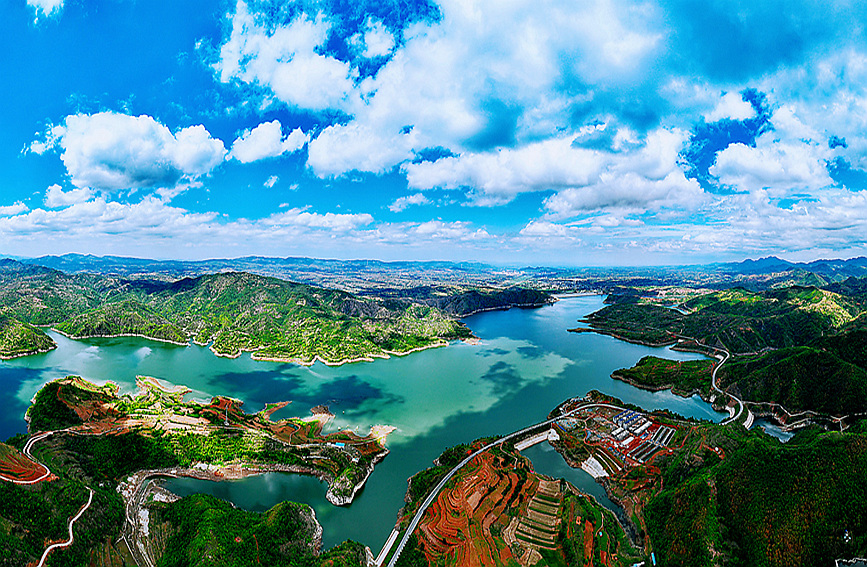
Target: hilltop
x=798, y=347
x=233, y=312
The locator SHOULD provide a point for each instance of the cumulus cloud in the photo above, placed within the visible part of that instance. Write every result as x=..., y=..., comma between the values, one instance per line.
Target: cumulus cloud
x=777, y=166
x=484, y=75
x=353, y=147
x=286, y=60
x=55, y=196
x=376, y=41
x=14, y=209
x=110, y=151
x=543, y=229
x=45, y=7
x=492, y=82
x=265, y=141
x=401, y=203
x=499, y=176
x=440, y=230
x=645, y=177
x=731, y=106
x=628, y=191
x=339, y=222
x=151, y=226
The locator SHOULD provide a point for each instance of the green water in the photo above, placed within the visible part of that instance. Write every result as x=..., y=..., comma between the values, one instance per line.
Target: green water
x=526, y=364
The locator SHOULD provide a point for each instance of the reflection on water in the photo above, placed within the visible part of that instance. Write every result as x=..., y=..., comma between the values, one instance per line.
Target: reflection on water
x=525, y=364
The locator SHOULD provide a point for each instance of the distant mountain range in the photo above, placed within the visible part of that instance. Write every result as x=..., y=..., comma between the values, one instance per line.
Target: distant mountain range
x=430, y=279
x=349, y=275
x=834, y=269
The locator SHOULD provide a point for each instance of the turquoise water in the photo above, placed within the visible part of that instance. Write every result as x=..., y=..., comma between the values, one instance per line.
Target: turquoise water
x=525, y=364
x=773, y=430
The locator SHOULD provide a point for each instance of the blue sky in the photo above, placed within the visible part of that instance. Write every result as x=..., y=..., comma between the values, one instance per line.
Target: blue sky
x=516, y=132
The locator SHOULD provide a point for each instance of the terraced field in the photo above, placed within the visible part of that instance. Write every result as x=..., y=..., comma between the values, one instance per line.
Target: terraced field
x=496, y=511
x=17, y=467
x=458, y=527
x=537, y=527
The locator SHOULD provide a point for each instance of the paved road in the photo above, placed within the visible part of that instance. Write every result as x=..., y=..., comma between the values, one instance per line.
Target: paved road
x=27, y=447
x=27, y=454
x=435, y=492
x=72, y=520
x=716, y=368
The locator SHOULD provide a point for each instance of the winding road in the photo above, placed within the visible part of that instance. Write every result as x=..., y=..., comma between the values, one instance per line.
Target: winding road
x=27, y=454
x=435, y=492
x=716, y=368
x=72, y=520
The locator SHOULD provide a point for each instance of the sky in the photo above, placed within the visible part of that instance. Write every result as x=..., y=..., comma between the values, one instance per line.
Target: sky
x=600, y=132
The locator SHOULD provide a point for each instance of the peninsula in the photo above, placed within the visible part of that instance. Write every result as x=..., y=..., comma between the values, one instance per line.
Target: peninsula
x=89, y=437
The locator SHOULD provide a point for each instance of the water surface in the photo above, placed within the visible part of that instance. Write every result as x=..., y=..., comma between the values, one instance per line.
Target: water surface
x=525, y=364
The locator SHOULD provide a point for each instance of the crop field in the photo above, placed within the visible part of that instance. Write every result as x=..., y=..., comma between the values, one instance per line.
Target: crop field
x=15, y=466
x=463, y=523
x=497, y=511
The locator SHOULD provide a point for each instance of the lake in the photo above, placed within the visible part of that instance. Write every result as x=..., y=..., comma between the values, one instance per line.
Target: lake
x=525, y=364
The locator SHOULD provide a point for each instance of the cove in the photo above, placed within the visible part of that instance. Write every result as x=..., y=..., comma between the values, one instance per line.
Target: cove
x=525, y=364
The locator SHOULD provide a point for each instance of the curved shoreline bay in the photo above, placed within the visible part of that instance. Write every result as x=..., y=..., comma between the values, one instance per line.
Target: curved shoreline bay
x=524, y=363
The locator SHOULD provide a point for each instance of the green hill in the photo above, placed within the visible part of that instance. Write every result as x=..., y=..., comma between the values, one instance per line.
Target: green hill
x=737, y=320
x=203, y=531
x=477, y=300
x=18, y=339
x=127, y=317
x=800, y=378
x=235, y=312
x=682, y=377
x=284, y=320
x=764, y=504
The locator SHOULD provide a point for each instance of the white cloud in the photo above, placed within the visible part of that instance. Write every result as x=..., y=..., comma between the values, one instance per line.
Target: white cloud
x=266, y=140
x=376, y=41
x=271, y=181
x=112, y=151
x=824, y=97
x=401, y=203
x=542, y=229
x=285, y=60
x=499, y=176
x=45, y=7
x=448, y=80
x=14, y=209
x=628, y=191
x=152, y=227
x=342, y=148
x=338, y=222
x=781, y=166
x=440, y=230
x=51, y=138
x=645, y=177
x=98, y=218
x=731, y=106
x=55, y=196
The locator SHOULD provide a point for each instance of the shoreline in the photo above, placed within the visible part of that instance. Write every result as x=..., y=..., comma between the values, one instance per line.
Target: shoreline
x=507, y=307
x=672, y=342
x=28, y=353
x=385, y=354
x=135, y=335
x=670, y=387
